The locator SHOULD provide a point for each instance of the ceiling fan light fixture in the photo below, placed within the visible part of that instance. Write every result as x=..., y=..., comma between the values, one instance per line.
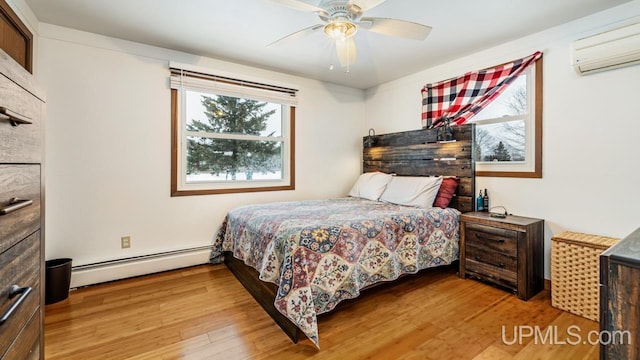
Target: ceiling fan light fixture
x=340, y=29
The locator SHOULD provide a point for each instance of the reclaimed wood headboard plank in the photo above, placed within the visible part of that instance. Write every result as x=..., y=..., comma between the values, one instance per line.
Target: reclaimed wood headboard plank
x=458, y=149
x=419, y=153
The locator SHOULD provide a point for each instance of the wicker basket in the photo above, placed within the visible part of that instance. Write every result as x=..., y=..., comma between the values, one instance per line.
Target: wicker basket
x=575, y=276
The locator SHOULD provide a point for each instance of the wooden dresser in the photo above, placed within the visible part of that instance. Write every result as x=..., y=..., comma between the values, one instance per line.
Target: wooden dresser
x=21, y=213
x=620, y=299
x=506, y=252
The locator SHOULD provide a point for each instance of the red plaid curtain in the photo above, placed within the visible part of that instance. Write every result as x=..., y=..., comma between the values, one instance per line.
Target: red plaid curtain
x=459, y=99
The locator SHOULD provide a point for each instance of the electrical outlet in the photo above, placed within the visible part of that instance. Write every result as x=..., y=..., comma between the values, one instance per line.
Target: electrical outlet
x=125, y=242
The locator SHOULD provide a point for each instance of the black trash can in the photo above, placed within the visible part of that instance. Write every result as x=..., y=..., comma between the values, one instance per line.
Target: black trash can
x=57, y=280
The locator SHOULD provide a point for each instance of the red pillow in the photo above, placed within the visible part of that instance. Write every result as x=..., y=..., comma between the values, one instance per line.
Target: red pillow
x=446, y=192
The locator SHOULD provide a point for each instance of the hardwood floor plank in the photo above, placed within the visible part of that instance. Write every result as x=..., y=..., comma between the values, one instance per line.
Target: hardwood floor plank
x=204, y=313
x=176, y=350
x=559, y=332
x=493, y=353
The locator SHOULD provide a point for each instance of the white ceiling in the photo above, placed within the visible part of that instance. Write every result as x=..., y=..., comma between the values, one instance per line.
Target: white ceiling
x=239, y=30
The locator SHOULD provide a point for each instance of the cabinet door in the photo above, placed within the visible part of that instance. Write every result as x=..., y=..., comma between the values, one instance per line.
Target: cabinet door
x=17, y=40
x=622, y=309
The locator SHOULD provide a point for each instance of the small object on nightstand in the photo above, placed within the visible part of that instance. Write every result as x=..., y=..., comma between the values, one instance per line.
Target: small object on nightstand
x=500, y=215
x=507, y=252
x=479, y=201
x=485, y=201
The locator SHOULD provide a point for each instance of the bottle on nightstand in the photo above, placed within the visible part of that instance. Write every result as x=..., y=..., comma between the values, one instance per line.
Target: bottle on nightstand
x=479, y=202
x=485, y=201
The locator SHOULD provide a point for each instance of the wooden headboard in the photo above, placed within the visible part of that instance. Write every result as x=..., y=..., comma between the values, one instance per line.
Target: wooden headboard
x=418, y=153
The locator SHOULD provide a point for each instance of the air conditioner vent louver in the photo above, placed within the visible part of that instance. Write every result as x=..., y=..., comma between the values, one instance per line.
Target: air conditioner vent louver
x=609, y=50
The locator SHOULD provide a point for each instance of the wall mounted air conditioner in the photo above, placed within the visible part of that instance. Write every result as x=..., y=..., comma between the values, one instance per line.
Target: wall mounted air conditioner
x=608, y=50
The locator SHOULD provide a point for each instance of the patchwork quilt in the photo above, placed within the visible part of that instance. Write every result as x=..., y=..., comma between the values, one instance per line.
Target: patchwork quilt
x=320, y=252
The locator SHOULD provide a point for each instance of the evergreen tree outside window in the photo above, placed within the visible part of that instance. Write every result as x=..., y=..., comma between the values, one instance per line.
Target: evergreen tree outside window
x=230, y=136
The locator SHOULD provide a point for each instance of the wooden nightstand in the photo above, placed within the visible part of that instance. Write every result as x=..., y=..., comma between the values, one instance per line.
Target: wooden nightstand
x=507, y=252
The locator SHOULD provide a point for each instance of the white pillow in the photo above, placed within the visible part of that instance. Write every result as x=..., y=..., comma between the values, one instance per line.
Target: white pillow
x=419, y=191
x=370, y=185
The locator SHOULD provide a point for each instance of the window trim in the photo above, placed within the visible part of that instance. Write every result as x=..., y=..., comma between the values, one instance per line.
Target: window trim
x=175, y=153
x=537, y=138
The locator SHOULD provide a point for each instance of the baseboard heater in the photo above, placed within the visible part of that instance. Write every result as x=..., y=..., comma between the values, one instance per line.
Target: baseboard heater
x=105, y=271
x=101, y=264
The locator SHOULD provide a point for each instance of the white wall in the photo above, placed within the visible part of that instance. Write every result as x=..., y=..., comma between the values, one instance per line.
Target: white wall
x=591, y=168
x=108, y=148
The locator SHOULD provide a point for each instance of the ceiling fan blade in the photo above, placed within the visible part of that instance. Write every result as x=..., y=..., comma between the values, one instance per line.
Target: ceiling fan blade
x=367, y=4
x=346, y=50
x=298, y=34
x=398, y=28
x=298, y=5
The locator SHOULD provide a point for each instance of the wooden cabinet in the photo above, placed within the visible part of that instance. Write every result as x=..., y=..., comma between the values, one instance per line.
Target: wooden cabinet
x=506, y=252
x=619, y=295
x=21, y=214
x=15, y=38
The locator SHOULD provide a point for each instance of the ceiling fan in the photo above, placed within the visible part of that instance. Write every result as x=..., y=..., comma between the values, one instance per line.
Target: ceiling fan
x=341, y=19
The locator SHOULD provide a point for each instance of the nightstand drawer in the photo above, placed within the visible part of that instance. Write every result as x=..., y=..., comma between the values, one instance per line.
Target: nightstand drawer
x=494, y=274
x=491, y=238
x=492, y=258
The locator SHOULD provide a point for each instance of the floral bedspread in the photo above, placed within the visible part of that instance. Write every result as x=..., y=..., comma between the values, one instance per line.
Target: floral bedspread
x=321, y=252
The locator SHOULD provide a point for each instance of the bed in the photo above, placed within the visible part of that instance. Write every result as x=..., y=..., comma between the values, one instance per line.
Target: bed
x=300, y=259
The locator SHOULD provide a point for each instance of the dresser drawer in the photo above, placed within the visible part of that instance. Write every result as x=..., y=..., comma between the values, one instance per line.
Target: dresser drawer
x=492, y=239
x=20, y=265
x=494, y=274
x=22, y=182
x=27, y=345
x=22, y=143
x=492, y=258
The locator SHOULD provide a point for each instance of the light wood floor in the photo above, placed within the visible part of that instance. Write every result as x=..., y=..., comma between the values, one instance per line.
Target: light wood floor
x=204, y=313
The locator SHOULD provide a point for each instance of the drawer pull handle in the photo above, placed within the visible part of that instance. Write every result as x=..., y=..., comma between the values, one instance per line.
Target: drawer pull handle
x=482, y=236
x=13, y=292
x=500, y=265
x=15, y=204
x=13, y=117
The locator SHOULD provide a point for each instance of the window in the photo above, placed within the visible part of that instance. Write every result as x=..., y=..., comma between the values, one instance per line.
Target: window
x=230, y=135
x=509, y=130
